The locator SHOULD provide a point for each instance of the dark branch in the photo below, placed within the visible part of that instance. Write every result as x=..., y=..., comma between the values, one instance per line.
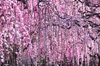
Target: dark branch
x=93, y=37
x=77, y=23
x=87, y=4
x=96, y=5
x=26, y=48
x=23, y=1
x=85, y=26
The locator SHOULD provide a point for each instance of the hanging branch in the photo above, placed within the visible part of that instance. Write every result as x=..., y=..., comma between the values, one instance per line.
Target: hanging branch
x=38, y=32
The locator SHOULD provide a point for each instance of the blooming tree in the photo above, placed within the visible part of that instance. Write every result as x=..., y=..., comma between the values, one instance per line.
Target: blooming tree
x=49, y=32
